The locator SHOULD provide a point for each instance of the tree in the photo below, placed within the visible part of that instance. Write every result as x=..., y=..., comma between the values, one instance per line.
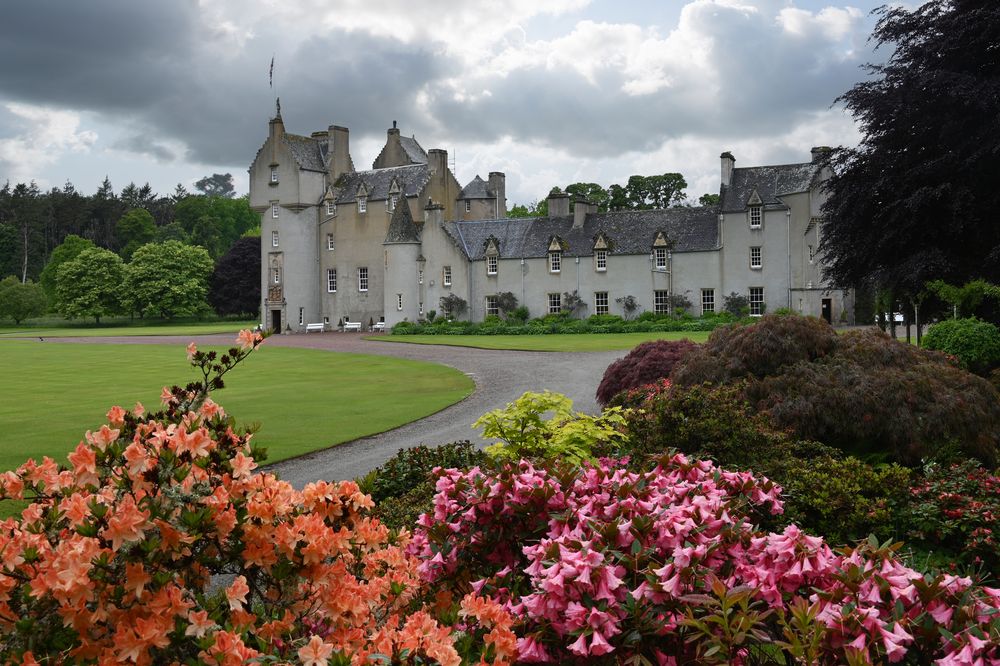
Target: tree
x=234, y=287
x=708, y=199
x=592, y=192
x=452, y=305
x=70, y=249
x=21, y=301
x=215, y=222
x=180, y=194
x=134, y=229
x=169, y=278
x=917, y=199
x=89, y=285
x=217, y=185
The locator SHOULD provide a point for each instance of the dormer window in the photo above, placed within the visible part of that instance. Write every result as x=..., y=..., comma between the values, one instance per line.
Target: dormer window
x=600, y=260
x=660, y=258
x=331, y=207
x=756, y=217
x=362, y=204
x=390, y=203
x=468, y=206
x=491, y=264
x=274, y=174
x=555, y=261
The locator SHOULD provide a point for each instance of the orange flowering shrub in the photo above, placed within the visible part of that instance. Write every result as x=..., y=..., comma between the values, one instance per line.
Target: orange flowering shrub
x=159, y=544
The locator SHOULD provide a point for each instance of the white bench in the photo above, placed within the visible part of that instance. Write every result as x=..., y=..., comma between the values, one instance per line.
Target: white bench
x=318, y=327
x=352, y=326
x=378, y=327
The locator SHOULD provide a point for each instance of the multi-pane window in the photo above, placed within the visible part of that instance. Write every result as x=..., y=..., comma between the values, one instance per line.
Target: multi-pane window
x=555, y=262
x=274, y=239
x=755, y=260
x=274, y=210
x=491, y=264
x=660, y=258
x=362, y=204
x=555, y=303
x=812, y=253
x=601, y=302
x=274, y=174
x=399, y=301
x=755, y=217
x=468, y=206
x=492, y=307
x=756, y=301
x=331, y=207
x=329, y=241
x=276, y=276
x=600, y=260
x=420, y=277
x=446, y=276
x=302, y=316
x=661, y=301
x=390, y=203
x=362, y=278
x=331, y=280
x=707, y=301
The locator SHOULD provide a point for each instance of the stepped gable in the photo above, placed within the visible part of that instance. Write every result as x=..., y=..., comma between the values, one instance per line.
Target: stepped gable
x=411, y=180
x=628, y=232
x=402, y=228
x=770, y=182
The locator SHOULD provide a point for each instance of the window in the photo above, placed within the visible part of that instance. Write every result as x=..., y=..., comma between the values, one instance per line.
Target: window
x=331, y=280
x=491, y=265
x=755, y=217
x=555, y=262
x=274, y=239
x=555, y=303
x=399, y=301
x=600, y=260
x=302, y=316
x=274, y=174
x=362, y=278
x=362, y=204
x=390, y=203
x=420, y=277
x=756, y=301
x=331, y=207
x=329, y=241
x=468, y=206
x=277, y=276
x=274, y=210
x=661, y=301
x=600, y=302
x=492, y=308
x=446, y=276
x=660, y=258
x=707, y=301
x=812, y=253
x=755, y=260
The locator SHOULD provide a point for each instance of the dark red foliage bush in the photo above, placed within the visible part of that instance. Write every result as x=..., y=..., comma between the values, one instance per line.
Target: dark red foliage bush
x=645, y=364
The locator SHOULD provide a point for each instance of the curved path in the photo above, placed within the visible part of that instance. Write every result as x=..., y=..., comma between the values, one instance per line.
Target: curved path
x=500, y=377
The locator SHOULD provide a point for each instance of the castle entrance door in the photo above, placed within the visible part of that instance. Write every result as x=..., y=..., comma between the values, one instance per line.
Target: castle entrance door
x=276, y=321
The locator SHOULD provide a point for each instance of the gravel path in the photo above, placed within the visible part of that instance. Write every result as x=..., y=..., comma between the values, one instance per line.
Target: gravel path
x=500, y=377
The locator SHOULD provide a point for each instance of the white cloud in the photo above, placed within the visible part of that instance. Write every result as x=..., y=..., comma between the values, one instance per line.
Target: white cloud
x=47, y=135
x=830, y=23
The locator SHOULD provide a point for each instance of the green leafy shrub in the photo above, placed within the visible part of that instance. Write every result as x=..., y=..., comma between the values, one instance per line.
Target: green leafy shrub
x=412, y=467
x=403, y=511
x=975, y=343
x=645, y=364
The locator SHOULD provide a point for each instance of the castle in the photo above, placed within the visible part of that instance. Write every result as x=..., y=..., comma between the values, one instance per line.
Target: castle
x=387, y=244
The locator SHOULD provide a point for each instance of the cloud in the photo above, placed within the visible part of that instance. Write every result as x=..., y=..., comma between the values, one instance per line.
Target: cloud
x=141, y=144
x=45, y=135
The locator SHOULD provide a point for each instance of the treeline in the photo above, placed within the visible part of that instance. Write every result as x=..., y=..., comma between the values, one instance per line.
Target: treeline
x=132, y=233
x=638, y=193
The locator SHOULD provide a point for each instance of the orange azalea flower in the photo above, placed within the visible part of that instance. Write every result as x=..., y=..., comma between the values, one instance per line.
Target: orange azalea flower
x=167, y=396
x=242, y=465
x=76, y=508
x=247, y=338
x=197, y=443
x=201, y=624
x=102, y=437
x=28, y=659
x=138, y=410
x=127, y=523
x=84, y=465
x=210, y=408
x=136, y=578
x=315, y=652
x=116, y=415
x=192, y=349
x=237, y=593
x=137, y=459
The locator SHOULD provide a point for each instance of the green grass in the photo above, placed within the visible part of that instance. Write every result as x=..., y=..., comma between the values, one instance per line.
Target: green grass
x=555, y=342
x=304, y=400
x=117, y=328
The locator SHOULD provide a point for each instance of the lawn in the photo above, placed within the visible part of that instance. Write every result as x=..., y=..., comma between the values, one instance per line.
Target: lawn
x=575, y=342
x=304, y=400
x=56, y=328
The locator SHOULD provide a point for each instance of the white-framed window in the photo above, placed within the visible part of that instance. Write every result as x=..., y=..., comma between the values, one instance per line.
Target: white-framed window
x=274, y=239
x=274, y=210
x=600, y=302
x=446, y=276
x=331, y=207
x=755, y=257
x=661, y=301
x=555, y=303
x=362, y=204
x=812, y=254
x=274, y=174
x=492, y=308
x=420, y=277
x=362, y=278
x=329, y=241
x=468, y=206
x=302, y=316
x=707, y=301
x=756, y=217
x=600, y=260
x=756, y=298
x=276, y=276
x=555, y=262
x=399, y=301
x=660, y=258
x=390, y=203
x=491, y=264
x=331, y=280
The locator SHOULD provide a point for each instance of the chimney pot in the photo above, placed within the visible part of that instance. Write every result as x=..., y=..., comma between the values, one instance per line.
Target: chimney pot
x=728, y=163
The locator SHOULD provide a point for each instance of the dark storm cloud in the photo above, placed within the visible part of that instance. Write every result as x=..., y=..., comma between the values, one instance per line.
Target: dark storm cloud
x=143, y=145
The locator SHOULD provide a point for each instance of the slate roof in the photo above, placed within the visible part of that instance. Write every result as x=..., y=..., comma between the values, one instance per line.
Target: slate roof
x=770, y=182
x=306, y=151
x=413, y=150
x=402, y=229
x=476, y=189
x=627, y=232
x=411, y=179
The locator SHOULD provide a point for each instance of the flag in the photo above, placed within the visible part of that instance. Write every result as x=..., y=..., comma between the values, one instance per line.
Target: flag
x=270, y=74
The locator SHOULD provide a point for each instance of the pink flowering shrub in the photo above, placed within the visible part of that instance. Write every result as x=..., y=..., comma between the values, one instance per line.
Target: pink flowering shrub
x=159, y=544
x=604, y=563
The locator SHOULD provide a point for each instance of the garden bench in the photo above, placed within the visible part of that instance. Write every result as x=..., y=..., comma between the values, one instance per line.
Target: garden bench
x=378, y=327
x=318, y=327
x=352, y=326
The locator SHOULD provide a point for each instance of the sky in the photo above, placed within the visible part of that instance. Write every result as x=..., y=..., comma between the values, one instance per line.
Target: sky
x=550, y=92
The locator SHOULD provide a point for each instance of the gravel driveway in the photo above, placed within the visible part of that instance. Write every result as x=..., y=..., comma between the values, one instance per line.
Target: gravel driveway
x=500, y=377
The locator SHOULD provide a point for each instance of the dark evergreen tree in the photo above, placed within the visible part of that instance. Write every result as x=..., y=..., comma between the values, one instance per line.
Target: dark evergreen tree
x=234, y=287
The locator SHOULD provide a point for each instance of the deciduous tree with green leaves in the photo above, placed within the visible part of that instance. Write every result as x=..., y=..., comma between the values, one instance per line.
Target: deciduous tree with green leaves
x=70, y=249
x=168, y=278
x=90, y=284
x=21, y=301
x=134, y=229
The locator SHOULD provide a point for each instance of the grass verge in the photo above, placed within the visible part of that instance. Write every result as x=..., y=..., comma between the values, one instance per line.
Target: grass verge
x=122, y=328
x=575, y=342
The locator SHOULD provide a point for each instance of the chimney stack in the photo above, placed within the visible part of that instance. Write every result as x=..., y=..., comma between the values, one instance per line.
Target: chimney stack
x=581, y=207
x=558, y=203
x=338, y=151
x=498, y=186
x=728, y=163
x=437, y=160
x=820, y=154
